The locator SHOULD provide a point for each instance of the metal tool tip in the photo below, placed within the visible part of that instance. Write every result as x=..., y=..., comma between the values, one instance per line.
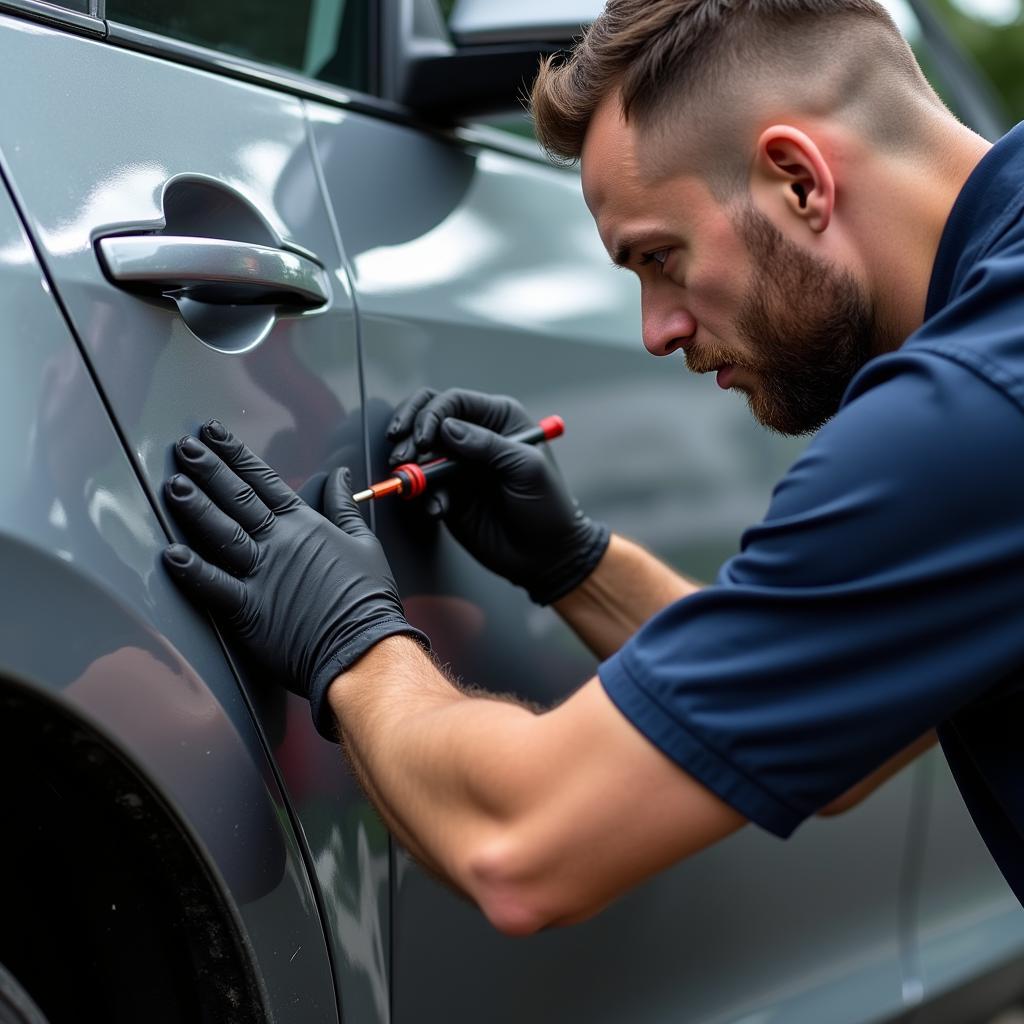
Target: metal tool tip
x=362, y=495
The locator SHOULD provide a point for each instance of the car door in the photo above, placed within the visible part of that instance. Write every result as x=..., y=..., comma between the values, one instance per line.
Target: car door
x=178, y=215
x=141, y=815
x=476, y=267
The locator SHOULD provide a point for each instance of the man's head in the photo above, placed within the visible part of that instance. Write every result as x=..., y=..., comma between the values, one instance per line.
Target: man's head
x=727, y=150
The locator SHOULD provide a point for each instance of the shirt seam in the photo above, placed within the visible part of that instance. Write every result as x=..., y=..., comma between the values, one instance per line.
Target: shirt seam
x=992, y=373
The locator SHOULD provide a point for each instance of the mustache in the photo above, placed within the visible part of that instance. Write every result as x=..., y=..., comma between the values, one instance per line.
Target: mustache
x=705, y=358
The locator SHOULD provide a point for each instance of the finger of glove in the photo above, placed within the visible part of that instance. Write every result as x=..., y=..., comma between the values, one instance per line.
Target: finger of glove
x=205, y=585
x=230, y=494
x=339, y=507
x=269, y=487
x=470, y=443
x=494, y=412
x=219, y=537
x=405, y=415
x=405, y=449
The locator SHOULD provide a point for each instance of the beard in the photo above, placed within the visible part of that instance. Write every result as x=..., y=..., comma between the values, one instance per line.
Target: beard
x=810, y=328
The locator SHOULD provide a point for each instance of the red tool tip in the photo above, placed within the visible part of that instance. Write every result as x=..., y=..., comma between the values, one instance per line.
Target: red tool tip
x=553, y=426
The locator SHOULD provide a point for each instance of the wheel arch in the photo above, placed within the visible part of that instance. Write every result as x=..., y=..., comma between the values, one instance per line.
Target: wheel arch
x=102, y=720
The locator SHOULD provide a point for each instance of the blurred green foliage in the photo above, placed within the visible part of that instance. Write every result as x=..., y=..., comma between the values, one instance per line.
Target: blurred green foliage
x=998, y=49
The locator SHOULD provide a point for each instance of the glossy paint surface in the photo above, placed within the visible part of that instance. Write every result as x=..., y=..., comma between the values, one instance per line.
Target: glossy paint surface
x=293, y=393
x=88, y=618
x=483, y=270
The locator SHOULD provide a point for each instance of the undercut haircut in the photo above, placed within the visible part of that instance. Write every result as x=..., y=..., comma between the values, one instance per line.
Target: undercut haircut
x=710, y=64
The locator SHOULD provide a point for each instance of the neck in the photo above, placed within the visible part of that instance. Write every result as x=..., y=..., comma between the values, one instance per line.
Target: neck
x=910, y=200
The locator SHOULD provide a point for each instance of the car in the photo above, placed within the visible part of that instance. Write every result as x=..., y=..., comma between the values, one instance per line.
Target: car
x=290, y=217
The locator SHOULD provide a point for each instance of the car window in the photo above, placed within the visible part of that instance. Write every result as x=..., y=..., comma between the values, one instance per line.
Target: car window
x=325, y=39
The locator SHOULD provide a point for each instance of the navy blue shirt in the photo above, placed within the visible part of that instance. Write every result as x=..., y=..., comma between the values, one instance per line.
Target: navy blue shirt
x=883, y=593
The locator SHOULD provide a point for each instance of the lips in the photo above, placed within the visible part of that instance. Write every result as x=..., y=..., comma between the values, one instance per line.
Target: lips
x=725, y=375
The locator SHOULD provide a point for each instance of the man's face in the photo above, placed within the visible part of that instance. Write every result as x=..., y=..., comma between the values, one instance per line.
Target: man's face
x=726, y=287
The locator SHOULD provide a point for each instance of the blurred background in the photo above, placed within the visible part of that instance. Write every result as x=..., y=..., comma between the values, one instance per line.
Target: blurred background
x=992, y=31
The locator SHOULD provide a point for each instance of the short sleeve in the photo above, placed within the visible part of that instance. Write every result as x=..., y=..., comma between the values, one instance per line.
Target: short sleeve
x=883, y=590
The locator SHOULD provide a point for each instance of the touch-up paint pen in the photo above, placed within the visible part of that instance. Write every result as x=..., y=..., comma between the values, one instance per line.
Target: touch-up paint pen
x=411, y=479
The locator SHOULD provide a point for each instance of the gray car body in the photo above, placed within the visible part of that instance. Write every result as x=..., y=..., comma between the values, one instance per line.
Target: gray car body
x=452, y=260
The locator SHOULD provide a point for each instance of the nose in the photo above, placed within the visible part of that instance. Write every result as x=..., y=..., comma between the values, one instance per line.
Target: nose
x=667, y=328
x=667, y=325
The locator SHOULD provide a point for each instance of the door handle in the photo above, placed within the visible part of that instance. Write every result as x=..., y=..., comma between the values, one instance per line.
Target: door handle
x=213, y=270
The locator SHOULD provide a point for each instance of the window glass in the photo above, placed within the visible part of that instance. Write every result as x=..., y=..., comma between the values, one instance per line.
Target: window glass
x=326, y=39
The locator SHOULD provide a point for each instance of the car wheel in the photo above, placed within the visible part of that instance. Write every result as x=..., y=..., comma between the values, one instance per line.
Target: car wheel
x=16, y=1005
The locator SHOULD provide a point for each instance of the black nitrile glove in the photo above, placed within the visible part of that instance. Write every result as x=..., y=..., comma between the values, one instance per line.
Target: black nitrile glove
x=305, y=595
x=509, y=507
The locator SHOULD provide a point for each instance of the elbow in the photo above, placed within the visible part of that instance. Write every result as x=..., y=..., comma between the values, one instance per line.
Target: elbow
x=512, y=886
x=498, y=877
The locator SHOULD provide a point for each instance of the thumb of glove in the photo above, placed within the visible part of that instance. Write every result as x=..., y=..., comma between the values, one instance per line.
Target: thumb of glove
x=339, y=507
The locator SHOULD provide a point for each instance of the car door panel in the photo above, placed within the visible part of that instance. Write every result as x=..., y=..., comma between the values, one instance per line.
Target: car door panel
x=137, y=145
x=88, y=622
x=966, y=918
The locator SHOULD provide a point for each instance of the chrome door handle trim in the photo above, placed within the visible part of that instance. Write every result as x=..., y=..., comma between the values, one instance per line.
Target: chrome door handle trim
x=214, y=270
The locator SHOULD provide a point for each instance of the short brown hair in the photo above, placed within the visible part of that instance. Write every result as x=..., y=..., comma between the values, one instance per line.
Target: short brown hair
x=659, y=53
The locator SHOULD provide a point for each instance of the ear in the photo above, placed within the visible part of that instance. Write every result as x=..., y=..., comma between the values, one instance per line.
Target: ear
x=790, y=176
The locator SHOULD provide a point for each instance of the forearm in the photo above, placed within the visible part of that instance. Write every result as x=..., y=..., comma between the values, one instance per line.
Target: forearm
x=446, y=770
x=628, y=586
x=535, y=817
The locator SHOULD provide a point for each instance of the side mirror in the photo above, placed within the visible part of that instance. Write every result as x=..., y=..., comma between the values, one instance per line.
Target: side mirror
x=484, y=60
x=476, y=22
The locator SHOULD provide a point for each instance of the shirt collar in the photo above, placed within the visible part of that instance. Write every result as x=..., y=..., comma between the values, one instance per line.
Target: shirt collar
x=992, y=196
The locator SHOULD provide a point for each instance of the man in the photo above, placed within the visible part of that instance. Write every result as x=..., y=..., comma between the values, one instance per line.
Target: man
x=809, y=221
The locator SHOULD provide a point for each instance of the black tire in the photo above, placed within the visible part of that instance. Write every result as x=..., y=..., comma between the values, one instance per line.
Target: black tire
x=16, y=1005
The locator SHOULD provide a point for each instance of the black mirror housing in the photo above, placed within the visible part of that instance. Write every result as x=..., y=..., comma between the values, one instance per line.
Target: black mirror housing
x=472, y=81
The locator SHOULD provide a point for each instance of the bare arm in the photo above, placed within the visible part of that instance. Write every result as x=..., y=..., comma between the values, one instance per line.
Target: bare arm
x=534, y=817
x=628, y=586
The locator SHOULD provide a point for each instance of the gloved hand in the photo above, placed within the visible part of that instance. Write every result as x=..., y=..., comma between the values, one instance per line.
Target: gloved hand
x=305, y=595
x=510, y=508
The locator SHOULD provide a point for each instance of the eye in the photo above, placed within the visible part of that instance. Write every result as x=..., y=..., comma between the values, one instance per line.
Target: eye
x=658, y=256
